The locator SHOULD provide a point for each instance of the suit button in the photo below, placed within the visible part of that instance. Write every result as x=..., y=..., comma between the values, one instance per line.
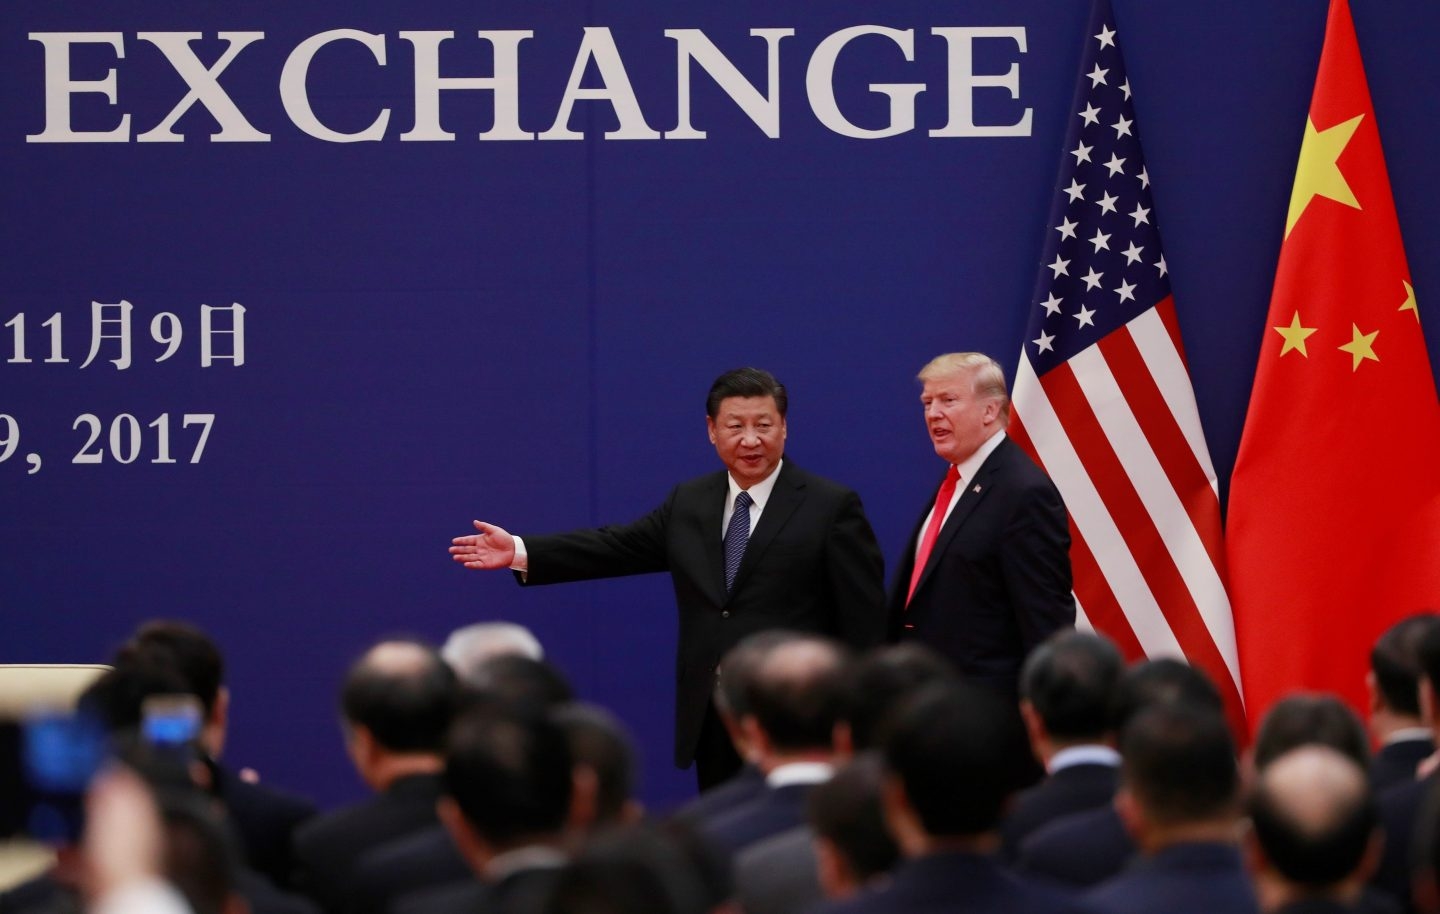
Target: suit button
x=725, y=614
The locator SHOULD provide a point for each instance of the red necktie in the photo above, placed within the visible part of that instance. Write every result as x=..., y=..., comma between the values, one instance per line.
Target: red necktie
x=932, y=529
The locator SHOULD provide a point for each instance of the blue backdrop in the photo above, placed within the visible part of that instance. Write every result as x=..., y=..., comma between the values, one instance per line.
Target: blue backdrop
x=522, y=330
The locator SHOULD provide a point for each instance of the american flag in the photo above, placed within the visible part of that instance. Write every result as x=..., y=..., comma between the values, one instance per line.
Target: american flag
x=1103, y=399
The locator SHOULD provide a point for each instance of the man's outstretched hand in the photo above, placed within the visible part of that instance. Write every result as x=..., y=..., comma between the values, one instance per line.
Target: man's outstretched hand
x=492, y=547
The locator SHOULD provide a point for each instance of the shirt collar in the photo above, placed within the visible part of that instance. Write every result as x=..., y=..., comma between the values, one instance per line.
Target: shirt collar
x=971, y=465
x=1408, y=734
x=1089, y=754
x=800, y=773
x=531, y=857
x=760, y=492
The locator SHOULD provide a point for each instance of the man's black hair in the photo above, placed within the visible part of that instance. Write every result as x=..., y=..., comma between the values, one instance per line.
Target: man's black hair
x=796, y=693
x=510, y=773
x=1070, y=681
x=745, y=382
x=117, y=698
x=883, y=679
x=1178, y=761
x=1395, y=661
x=1298, y=720
x=406, y=707
x=195, y=654
x=523, y=682
x=1164, y=681
x=737, y=668
x=956, y=748
x=599, y=742
x=847, y=811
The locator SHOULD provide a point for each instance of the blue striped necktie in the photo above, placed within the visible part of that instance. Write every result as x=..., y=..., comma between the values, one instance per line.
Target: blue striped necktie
x=736, y=536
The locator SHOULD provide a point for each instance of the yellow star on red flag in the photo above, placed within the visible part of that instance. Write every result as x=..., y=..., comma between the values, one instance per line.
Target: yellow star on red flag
x=1360, y=347
x=1318, y=173
x=1409, y=304
x=1295, y=336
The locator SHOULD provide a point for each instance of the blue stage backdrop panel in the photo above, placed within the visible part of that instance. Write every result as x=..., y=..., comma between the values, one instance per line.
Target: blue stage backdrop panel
x=443, y=327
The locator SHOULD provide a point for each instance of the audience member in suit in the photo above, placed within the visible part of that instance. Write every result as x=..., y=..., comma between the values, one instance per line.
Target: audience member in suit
x=1066, y=689
x=1315, y=833
x=949, y=767
x=1401, y=802
x=1179, y=799
x=643, y=869
x=264, y=817
x=1304, y=719
x=509, y=776
x=1086, y=848
x=795, y=702
x=844, y=847
x=1394, y=686
x=769, y=875
x=732, y=704
x=428, y=858
x=396, y=704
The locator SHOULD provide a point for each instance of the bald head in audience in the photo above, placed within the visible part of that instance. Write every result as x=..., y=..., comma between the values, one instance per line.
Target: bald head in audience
x=396, y=702
x=1315, y=831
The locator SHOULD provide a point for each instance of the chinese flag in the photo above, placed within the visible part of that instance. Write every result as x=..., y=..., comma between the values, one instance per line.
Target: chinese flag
x=1334, y=512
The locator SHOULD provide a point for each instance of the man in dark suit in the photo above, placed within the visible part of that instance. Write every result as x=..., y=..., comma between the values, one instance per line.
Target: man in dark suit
x=986, y=574
x=1314, y=834
x=1067, y=687
x=396, y=702
x=1179, y=799
x=795, y=702
x=1394, y=686
x=265, y=818
x=950, y=763
x=762, y=545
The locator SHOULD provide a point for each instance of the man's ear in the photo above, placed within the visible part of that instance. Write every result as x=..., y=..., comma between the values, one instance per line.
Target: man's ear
x=216, y=725
x=710, y=427
x=1427, y=701
x=1131, y=815
x=901, y=820
x=1372, y=691
x=755, y=736
x=584, y=798
x=1034, y=729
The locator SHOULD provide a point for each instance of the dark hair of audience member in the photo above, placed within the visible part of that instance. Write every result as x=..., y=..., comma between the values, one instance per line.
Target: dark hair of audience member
x=1163, y=681
x=1070, y=681
x=516, y=681
x=195, y=655
x=956, y=747
x=1178, y=761
x=847, y=811
x=796, y=693
x=117, y=697
x=883, y=678
x=1395, y=661
x=1298, y=720
x=599, y=742
x=737, y=668
x=510, y=773
x=745, y=382
x=406, y=709
x=644, y=869
x=1304, y=854
x=1428, y=654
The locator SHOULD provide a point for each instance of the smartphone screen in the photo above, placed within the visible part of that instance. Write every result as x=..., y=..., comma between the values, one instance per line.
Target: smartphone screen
x=59, y=755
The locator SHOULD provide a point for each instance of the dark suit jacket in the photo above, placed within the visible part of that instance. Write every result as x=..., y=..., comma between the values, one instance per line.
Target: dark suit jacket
x=812, y=565
x=327, y=847
x=1183, y=879
x=779, y=875
x=1075, y=788
x=745, y=786
x=265, y=820
x=416, y=861
x=1400, y=809
x=998, y=580
x=1395, y=763
x=953, y=883
x=776, y=810
x=1077, y=851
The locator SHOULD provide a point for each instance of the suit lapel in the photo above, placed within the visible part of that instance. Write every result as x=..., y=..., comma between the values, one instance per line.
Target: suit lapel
x=970, y=493
x=712, y=514
x=787, y=495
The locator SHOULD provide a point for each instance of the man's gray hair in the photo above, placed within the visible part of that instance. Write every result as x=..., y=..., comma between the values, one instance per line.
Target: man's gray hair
x=468, y=648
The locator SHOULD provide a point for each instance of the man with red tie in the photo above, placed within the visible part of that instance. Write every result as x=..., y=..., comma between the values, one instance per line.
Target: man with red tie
x=986, y=574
